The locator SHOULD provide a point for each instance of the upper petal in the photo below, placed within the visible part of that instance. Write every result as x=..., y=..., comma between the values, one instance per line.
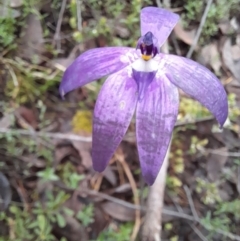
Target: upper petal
x=198, y=82
x=113, y=112
x=94, y=64
x=158, y=21
x=155, y=118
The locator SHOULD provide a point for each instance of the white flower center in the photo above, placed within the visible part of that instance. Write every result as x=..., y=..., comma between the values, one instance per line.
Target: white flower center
x=145, y=66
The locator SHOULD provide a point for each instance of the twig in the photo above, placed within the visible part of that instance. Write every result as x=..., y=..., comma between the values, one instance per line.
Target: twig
x=198, y=232
x=194, y=212
x=143, y=208
x=199, y=31
x=13, y=75
x=188, y=193
x=74, y=137
x=223, y=153
x=59, y=24
x=132, y=182
x=66, y=136
x=227, y=234
x=164, y=211
x=79, y=15
x=181, y=123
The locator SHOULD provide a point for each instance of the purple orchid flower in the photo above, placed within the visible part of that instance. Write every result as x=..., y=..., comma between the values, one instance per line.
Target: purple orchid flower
x=145, y=80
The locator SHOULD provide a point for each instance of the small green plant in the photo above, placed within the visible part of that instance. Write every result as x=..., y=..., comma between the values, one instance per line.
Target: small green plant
x=121, y=233
x=214, y=223
x=47, y=175
x=209, y=191
x=234, y=111
x=28, y=82
x=177, y=160
x=105, y=18
x=197, y=145
x=86, y=215
x=38, y=223
x=7, y=31
x=173, y=182
x=232, y=208
x=168, y=226
x=219, y=10
x=190, y=110
x=222, y=218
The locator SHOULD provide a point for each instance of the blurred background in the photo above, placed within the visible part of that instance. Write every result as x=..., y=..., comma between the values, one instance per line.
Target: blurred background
x=48, y=189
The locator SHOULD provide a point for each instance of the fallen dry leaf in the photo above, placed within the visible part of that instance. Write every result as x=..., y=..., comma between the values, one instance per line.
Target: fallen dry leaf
x=226, y=27
x=215, y=164
x=5, y=192
x=84, y=149
x=233, y=176
x=119, y=28
x=101, y=220
x=26, y=116
x=238, y=179
x=238, y=40
x=225, y=191
x=232, y=64
x=6, y=12
x=31, y=42
x=6, y=121
x=73, y=202
x=186, y=36
x=73, y=231
x=110, y=175
x=62, y=152
x=228, y=138
x=235, y=51
x=118, y=212
x=63, y=63
x=209, y=55
x=34, y=161
x=15, y=3
x=123, y=188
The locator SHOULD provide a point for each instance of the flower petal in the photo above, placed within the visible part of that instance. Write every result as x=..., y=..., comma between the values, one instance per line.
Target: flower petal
x=143, y=80
x=113, y=112
x=155, y=119
x=198, y=82
x=158, y=21
x=94, y=64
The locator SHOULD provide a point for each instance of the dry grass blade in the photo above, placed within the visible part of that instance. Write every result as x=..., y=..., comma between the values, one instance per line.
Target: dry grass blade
x=59, y=24
x=121, y=159
x=199, y=31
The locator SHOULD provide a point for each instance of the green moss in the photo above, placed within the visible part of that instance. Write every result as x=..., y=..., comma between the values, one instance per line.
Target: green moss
x=82, y=121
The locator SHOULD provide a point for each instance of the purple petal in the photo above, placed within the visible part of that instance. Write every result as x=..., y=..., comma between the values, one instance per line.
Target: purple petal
x=155, y=119
x=143, y=80
x=94, y=64
x=198, y=82
x=113, y=112
x=158, y=21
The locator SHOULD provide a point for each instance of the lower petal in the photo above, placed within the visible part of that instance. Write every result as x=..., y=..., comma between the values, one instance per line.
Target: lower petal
x=155, y=119
x=198, y=82
x=113, y=112
x=143, y=80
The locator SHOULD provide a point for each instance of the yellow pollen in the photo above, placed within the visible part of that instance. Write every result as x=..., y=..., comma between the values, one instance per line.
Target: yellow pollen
x=146, y=57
